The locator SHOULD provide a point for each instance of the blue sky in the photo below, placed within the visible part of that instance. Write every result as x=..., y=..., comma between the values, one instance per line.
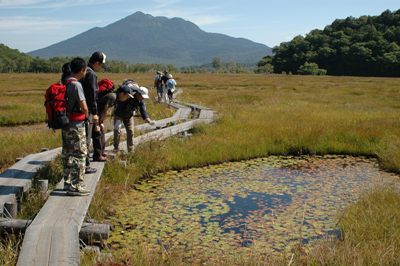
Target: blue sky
x=32, y=24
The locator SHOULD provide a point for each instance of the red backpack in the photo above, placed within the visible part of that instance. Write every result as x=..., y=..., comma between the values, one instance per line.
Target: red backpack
x=56, y=106
x=105, y=87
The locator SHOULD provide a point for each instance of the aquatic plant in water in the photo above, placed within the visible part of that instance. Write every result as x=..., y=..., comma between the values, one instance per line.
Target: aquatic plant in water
x=258, y=206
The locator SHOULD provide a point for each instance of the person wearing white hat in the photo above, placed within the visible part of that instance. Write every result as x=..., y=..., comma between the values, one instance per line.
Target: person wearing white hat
x=130, y=96
x=170, y=84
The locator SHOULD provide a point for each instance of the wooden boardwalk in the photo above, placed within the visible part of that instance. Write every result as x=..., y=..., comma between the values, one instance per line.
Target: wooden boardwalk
x=18, y=178
x=53, y=236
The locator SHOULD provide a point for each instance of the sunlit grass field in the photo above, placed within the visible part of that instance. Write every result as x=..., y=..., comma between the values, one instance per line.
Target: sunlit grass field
x=262, y=115
x=22, y=114
x=258, y=115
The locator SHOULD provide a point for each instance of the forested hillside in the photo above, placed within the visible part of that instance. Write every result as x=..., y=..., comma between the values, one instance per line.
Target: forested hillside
x=365, y=46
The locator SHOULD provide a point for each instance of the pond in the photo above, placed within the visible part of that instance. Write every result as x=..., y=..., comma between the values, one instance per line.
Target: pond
x=259, y=206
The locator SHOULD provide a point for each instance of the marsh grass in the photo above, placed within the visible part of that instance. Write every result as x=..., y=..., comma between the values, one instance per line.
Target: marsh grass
x=23, y=140
x=284, y=115
x=371, y=234
x=9, y=247
x=258, y=116
x=21, y=105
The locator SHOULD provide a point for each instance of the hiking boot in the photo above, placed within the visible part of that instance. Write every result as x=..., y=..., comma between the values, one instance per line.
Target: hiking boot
x=78, y=190
x=90, y=170
x=67, y=186
x=100, y=159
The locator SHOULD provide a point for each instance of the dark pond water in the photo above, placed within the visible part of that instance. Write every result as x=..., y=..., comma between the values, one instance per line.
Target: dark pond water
x=257, y=206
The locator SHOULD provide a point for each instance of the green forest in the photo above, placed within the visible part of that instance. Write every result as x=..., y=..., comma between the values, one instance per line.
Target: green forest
x=364, y=46
x=11, y=61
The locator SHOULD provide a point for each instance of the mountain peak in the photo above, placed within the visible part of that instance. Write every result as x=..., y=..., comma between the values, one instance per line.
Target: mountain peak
x=143, y=38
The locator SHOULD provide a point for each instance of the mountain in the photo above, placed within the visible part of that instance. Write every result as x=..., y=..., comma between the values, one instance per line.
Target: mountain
x=142, y=38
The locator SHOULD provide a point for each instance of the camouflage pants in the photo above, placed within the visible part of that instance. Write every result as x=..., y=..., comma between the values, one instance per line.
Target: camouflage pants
x=73, y=155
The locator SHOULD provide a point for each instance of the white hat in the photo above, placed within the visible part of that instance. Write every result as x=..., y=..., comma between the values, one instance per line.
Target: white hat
x=143, y=91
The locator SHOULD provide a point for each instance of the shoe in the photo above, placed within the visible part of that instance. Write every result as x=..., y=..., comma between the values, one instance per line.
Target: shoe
x=78, y=190
x=67, y=186
x=90, y=170
x=100, y=159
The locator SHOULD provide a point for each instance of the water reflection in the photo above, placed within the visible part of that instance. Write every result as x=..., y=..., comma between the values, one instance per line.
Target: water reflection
x=257, y=206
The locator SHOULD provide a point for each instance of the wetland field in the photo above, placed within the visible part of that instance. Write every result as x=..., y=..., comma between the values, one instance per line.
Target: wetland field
x=295, y=169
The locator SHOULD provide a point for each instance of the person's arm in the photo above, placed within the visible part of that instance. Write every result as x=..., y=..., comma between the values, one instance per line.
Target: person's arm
x=82, y=99
x=84, y=108
x=143, y=112
x=91, y=89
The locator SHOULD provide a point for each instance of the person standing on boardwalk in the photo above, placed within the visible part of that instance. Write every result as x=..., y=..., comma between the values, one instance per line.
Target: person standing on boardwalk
x=158, y=84
x=74, y=148
x=129, y=98
x=164, y=80
x=106, y=100
x=170, y=84
x=90, y=87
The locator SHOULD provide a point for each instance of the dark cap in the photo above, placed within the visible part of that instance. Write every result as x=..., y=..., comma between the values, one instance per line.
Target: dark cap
x=98, y=57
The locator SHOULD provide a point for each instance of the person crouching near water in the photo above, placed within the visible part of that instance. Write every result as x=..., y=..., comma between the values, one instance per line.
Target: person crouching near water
x=130, y=96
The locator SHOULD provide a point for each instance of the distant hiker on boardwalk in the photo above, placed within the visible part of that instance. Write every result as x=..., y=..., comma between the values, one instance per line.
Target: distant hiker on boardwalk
x=74, y=148
x=130, y=96
x=164, y=79
x=170, y=85
x=106, y=100
x=90, y=87
x=158, y=84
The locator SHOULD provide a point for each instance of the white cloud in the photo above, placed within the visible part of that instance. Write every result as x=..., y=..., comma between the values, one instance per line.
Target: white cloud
x=165, y=3
x=198, y=16
x=208, y=20
x=19, y=3
x=44, y=4
x=33, y=24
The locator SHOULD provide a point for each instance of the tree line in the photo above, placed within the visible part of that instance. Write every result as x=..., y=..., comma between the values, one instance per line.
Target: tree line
x=11, y=61
x=364, y=46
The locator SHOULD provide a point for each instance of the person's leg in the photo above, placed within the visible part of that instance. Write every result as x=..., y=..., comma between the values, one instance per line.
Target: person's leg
x=129, y=123
x=117, y=132
x=159, y=93
x=165, y=97
x=65, y=153
x=88, y=131
x=77, y=161
x=97, y=145
x=103, y=141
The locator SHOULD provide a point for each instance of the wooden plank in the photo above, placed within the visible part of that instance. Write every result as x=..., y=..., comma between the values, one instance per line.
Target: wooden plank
x=193, y=106
x=180, y=114
x=18, y=178
x=88, y=232
x=206, y=114
x=53, y=236
x=164, y=133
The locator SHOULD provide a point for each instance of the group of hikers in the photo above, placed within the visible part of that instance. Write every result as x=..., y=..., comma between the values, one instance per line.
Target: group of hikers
x=88, y=101
x=165, y=85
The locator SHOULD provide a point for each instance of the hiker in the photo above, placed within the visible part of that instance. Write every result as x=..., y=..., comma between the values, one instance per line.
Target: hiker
x=170, y=85
x=66, y=72
x=74, y=148
x=158, y=84
x=164, y=80
x=130, y=96
x=105, y=102
x=90, y=87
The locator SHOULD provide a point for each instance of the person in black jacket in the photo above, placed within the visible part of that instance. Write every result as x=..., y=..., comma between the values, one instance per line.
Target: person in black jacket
x=129, y=98
x=90, y=87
